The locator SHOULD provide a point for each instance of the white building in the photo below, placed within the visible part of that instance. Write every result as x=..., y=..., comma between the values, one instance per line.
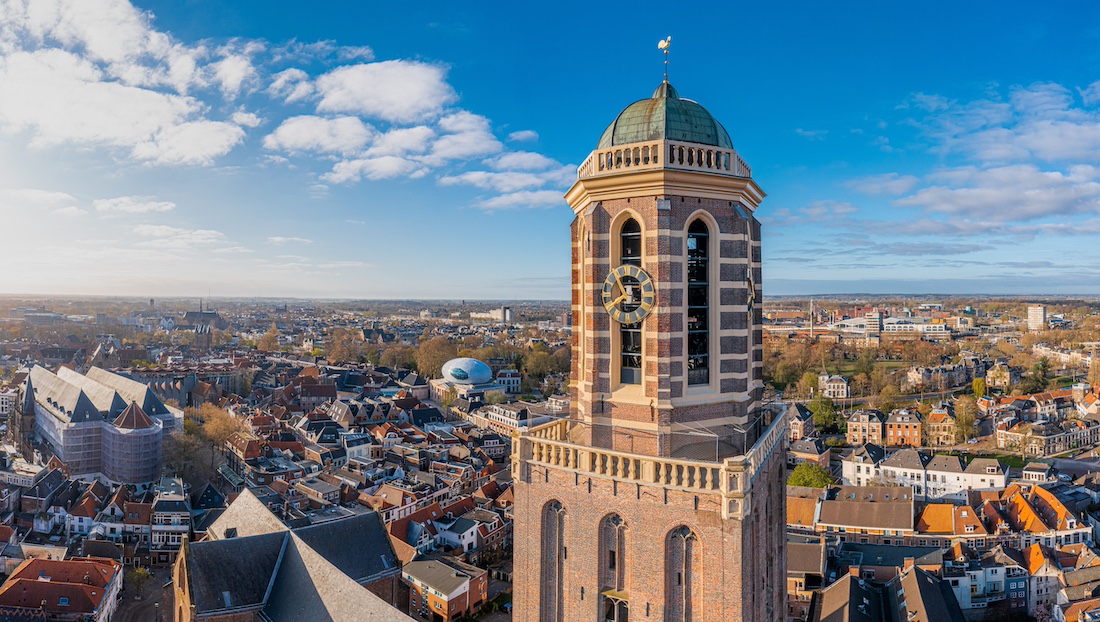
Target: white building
x=832, y=387
x=1036, y=317
x=932, y=478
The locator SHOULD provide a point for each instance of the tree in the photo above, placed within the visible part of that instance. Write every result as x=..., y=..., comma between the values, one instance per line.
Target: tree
x=979, y=387
x=811, y=475
x=1094, y=371
x=270, y=340
x=136, y=579
x=966, y=413
x=824, y=412
x=341, y=346
x=865, y=364
x=495, y=397
x=887, y=399
x=807, y=384
x=218, y=425
x=432, y=354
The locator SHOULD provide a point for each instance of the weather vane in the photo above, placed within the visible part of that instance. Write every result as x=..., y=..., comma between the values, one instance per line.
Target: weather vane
x=663, y=45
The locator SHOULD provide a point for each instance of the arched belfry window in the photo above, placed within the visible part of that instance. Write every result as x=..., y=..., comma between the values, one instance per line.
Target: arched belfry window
x=630, y=253
x=681, y=574
x=698, y=303
x=612, y=547
x=553, y=563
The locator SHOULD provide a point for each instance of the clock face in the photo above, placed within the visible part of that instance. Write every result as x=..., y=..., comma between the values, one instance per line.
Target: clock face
x=628, y=294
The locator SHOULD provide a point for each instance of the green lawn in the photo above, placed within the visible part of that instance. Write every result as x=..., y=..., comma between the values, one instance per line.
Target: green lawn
x=847, y=368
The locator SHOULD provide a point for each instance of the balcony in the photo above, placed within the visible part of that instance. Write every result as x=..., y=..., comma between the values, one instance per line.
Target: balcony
x=731, y=478
x=664, y=154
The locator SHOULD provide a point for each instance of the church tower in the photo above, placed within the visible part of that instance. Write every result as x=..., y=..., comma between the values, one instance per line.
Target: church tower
x=662, y=496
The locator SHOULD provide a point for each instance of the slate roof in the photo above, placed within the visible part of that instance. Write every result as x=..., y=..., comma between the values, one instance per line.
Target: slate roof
x=359, y=546
x=233, y=573
x=945, y=463
x=848, y=599
x=926, y=598
x=908, y=458
x=247, y=516
x=806, y=558
x=308, y=588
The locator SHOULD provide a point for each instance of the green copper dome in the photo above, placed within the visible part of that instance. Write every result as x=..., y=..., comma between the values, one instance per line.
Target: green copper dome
x=665, y=116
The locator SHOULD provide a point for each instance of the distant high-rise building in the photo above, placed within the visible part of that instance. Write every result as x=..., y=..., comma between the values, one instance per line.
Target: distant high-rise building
x=874, y=322
x=1036, y=317
x=662, y=495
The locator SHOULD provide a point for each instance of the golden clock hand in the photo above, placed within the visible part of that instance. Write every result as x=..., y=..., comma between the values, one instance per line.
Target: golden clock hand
x=622, y=289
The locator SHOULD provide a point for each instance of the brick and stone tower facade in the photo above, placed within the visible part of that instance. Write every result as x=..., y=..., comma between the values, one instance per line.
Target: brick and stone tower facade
x=662, y=496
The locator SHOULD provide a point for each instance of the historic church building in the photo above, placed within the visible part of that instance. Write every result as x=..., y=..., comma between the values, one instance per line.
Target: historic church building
x=662, y=496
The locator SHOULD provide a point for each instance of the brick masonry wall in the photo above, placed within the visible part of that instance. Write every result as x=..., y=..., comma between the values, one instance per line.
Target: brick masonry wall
x=743, y=572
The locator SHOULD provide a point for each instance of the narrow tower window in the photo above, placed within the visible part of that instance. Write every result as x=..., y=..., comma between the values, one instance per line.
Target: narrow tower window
x=698, y=302
x=630, y=239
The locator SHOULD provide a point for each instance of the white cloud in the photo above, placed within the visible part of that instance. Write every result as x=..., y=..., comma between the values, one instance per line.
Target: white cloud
x=71, y=210
x=355, y=52
x=1090, y=94
x=511, y=181
x=886, y=183
x=132, y=205
x=310, y=133
x=1009, y=193
x=384, y=167
x=402, y=142
x=175, y=238
x=197, y=142
x=523, y=136
x=35, y=198
x=501, y=182
x=291, y=85
x=811, y=134
x=232, y=72
x=289, y=240
x=468, y=136
x=521, y=161
x=246, y=119
x=537, y=198
x=399, y=91
x=1039, y=121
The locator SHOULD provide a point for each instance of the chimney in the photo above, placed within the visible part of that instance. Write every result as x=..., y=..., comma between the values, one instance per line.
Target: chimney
x=853, y=571
x=907, y=564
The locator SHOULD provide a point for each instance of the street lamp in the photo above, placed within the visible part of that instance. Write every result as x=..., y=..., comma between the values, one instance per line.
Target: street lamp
x=157, y=606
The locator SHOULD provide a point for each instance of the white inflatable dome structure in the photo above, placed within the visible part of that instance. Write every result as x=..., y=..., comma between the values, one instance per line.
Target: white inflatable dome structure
x=467, y=371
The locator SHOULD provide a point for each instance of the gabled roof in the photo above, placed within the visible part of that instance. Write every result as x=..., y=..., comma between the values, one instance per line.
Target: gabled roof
x=235, y=573
x=308, y=588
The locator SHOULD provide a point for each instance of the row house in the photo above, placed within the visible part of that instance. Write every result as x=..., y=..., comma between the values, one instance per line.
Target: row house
x=931, y=477
x=866, y=426
x=903, y=429
x=861, y=467
x=801, y=421
x=941, y=426
x=1047, y=439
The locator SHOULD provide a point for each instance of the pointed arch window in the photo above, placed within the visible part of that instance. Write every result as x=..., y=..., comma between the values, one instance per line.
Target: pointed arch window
x=553, y=563
x=630, y=335
x=698, y=303
x=681, y=574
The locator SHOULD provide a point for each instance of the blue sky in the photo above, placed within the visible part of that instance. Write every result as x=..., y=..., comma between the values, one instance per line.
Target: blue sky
x=381, y=150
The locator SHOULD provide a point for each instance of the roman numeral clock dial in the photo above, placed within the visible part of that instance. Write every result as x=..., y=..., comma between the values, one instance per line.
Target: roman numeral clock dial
x=628, y=294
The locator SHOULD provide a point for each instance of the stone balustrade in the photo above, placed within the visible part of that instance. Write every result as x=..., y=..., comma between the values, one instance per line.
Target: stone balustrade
x=664, y=154
x=547, y=446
